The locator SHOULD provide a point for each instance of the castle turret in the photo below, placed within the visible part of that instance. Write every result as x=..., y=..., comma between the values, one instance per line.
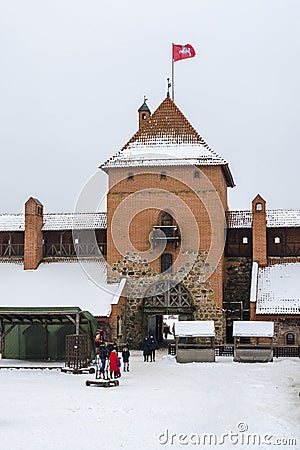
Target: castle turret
x=144, y=113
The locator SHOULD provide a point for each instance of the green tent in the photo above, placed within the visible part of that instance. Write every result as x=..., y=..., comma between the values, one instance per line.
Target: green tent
x=39, y=333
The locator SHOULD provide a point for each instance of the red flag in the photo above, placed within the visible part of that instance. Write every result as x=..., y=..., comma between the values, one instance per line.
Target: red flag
x=183, y=52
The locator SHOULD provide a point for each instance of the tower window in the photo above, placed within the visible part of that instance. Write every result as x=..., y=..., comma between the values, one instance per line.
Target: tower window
x=196, y=174
x=245, y=240
x=277, y=240
x=39, y=210
x=130, y=177
x=144, y=116
x=258, y=207
x=163, y=176
x=166, y=220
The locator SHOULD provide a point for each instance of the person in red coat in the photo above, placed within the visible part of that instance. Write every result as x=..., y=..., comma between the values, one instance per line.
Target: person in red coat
x=113, y=366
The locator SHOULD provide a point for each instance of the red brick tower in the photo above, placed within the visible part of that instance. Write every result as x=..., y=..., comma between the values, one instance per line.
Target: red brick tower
x=167, y=172
x=259, y=231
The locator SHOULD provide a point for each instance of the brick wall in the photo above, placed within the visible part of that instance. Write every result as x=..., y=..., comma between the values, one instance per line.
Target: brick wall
x=33, y=239
x=259, y=231
x=197, y=205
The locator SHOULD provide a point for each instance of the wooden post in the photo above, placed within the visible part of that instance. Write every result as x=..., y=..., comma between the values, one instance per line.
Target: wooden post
x=77, y=323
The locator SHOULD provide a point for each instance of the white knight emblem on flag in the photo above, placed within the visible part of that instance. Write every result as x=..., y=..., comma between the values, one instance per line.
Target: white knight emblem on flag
x=185, y=50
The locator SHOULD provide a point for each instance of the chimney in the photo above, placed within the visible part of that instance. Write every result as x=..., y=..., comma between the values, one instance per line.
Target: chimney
x=259, y=231
x=144, y=113
x=33, y=238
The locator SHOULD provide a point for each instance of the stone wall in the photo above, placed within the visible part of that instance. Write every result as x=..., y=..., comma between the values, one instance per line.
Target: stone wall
x=141, y=276
x=237, y=287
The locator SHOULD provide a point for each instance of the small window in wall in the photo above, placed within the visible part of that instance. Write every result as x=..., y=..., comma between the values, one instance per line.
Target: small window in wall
x=166, y=220
x=245, y=240
x=76, y=241
x=290, y=339
x=258, y=207
x=196, y=174
x=166, y=261
x=39, y=210
x=144, y=116
x=277, y=240
x=130, y=176
x=163, y=176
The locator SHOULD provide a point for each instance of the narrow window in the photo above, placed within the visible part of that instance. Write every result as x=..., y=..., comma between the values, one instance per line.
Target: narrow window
x=76, y=241
x=166, y=261
x=39, y=210
x=196, y=174
x=130, y=177
x=144, y=116
x=290, y=339
x=163, y=176
x=245, y=240
x=258, y=207
x=277, y=240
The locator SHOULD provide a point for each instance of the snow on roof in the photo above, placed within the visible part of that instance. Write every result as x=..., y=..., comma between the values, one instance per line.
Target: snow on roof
x=275, y=218
x=12, y=222
x=76, y=221
x=253, y=328
x=239, y=219
x=195, y=328
x=57, y=221
x=59, y=284
x=167, y=139
x=279, y=289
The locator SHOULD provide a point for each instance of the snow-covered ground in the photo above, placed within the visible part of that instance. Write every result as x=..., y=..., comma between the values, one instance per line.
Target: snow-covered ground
x=51, y=410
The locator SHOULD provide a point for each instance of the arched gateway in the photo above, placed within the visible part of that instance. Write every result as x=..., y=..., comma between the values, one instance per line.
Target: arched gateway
x=163, y=298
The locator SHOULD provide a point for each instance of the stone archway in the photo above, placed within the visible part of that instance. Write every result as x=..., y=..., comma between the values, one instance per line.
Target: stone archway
x=165, y=297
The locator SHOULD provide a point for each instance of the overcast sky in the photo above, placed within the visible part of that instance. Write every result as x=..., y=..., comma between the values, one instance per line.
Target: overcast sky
x=73, y=74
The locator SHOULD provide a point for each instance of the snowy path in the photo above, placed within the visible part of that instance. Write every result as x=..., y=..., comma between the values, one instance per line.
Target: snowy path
x=50, y=410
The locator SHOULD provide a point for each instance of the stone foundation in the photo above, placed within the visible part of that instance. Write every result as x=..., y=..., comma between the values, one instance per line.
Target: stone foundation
x=141, y=276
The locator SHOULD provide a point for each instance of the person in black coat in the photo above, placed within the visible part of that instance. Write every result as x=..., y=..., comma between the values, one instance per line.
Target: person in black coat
x=125, y=357
x=146, y=349
x=103, y=355
x=152, y=347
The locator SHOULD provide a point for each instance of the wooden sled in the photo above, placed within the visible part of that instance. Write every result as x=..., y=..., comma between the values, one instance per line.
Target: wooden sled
x=78, y=371
x=102, y=383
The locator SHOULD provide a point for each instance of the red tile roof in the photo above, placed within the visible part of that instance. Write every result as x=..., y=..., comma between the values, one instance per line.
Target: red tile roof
x=167, y=139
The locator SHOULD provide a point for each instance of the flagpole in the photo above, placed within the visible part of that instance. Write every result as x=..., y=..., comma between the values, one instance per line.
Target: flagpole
x=172, y=73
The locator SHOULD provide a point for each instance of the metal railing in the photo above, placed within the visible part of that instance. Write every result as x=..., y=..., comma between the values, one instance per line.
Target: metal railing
x=291, y=351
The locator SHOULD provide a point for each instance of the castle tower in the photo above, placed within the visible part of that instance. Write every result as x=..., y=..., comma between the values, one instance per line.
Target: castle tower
x=166, y=204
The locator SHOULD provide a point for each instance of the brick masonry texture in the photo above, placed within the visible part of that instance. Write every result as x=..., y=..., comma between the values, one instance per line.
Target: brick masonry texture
x=33, y=239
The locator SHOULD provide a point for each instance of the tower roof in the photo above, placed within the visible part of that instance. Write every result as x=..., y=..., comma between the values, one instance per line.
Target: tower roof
x=144, y=107
x=167, y=139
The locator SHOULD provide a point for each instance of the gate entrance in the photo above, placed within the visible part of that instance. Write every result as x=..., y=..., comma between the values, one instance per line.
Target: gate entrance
x=165, y=298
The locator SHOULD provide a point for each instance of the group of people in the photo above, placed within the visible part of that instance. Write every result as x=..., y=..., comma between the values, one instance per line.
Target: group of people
x=109, y=353
x=109, y=359
x=149, y=346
